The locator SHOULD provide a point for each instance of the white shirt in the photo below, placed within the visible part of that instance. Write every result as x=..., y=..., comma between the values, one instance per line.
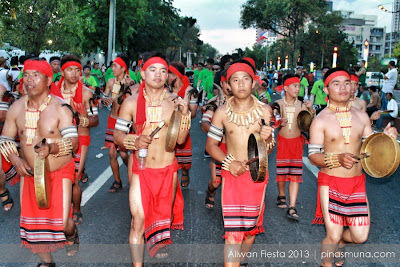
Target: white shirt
x=392, y=105
x=390, y=82
x=3, y=78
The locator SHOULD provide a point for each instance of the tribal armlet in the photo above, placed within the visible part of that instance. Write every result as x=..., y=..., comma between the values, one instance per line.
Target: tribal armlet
x=83, y=122
x=8, y=146
x=193, y=101
x=123, y=125
x=64, y=147
x=186, y=122
x=129, y=141
x=227, y=161
x=332, y=160
x=271, y=144
x=315, y=148
x=93, y=112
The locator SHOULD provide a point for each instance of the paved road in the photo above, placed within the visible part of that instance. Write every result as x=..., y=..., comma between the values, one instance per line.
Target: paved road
x=106, y=220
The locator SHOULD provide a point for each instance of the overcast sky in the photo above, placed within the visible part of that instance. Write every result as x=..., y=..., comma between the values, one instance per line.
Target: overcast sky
x=219, y=19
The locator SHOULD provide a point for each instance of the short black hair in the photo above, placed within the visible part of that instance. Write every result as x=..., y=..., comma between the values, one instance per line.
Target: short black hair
x=54, y=58
x=69, y=58
x=210, y=60
x=179, y=66
x=391, y=95
x=372, y=88
x=392, y=63
x=148, y=55
x=14, y=61
x=87, y=67
x=225, y=59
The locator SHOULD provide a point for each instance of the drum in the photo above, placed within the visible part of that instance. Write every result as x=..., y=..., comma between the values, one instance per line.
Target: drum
x=42, y=183
x=384, y=156
x=173, y=130
x=256, y=149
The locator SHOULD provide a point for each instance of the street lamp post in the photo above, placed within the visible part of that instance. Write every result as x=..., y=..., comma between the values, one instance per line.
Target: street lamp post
x=366, y=52
x=334, y=60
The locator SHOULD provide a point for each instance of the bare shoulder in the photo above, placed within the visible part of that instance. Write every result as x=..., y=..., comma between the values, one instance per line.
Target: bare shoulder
x=361, y=115
x=169, y=96
x=266, y=107
x=86, y=92
x=321, y=118
x=17, y=105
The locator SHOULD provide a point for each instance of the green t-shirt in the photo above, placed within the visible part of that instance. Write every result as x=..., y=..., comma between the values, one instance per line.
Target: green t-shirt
x=132, y=74
x=21, y=73
x=91, y=81
x=196, y=74
x=318, y=91
x=263, y=96
x=56, y=77
x=108, y=75
x=208, y=85
x=97, y=75
x=362, y=78
x=204, y=74
x=303, y=85
x=138, y=76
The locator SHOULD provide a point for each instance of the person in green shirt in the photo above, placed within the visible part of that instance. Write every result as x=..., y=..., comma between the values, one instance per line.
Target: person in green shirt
x=109, y=73
x=303, y=94
x=318, y=95
x=362, y=73
x=262, y=93
x=206, y=79
x=196, y=73
x=55, y=66
x=96, y=73
x=89, y=80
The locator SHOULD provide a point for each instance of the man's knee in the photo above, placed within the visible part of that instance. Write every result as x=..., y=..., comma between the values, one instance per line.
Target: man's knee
x=137, y=225
x=360, y=238
x=333, y=237
x=113, y=153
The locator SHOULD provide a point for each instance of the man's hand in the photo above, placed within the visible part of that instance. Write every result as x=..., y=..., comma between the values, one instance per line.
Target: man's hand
x=107, y=101
x=265, y=131
x=183, y=106
x=391, y=131
x=43, y=149
x=22, y=167
x=346, y=160
x=237, y=168
x=376, y=115
x=308, y=104
x=143, y=141
x=284, y=122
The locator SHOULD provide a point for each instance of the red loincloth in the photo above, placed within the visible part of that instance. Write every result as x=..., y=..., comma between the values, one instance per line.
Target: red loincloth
x=110, y=135
x=156, y=187
x=289, y=159
x=9, y=170
x=242, y=205
x=347, y=200
x=41, y=230
x=183, y=154
x=84, y=140
x=218, y=165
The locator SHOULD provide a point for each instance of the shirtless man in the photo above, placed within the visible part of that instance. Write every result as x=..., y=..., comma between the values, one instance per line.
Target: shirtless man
x=232, y=118
x=289, y=156
x=358, y=103
x=180, y=85
x=7, y=171
x=115, y=87
x=341, y=181
x=154, y=191
x=36, y=116
x=75, y=94
x=215, y=166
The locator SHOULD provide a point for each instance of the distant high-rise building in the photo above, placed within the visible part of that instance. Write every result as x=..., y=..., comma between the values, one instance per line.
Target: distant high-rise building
x=396, y=15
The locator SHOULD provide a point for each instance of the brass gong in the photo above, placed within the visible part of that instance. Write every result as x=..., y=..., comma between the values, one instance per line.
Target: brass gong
x=42, y=183
x=173, y=130
x=384, y=155
x=304, y=119
x=256, y=148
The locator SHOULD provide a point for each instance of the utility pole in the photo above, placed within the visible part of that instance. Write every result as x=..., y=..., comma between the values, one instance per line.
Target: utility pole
x=111, y=31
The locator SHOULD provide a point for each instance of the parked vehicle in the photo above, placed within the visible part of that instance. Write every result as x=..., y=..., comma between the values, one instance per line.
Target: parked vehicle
x=374, y=78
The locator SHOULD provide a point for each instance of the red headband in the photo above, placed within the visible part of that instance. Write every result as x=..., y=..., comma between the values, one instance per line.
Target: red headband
x=239, y=67
x=71, y=63
x=122, y=63
x=355, y=78
x=250, y=60
x=175, y=71
x=40, y=66
x=291, y=81
x=154, y=60
x=223, y=79
x=334, y=75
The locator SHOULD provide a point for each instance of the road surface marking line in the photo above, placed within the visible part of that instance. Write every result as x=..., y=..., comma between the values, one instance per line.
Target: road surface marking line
x=97, y=184
x=311, y=167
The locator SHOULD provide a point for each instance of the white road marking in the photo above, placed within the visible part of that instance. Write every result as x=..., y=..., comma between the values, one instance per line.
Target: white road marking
x=98, y=183
x=311, y=167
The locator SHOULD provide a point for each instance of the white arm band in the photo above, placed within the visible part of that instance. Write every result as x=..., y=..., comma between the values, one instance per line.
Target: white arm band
x=4, y=106
x=315, y=148
x=123, y=125
x=193, y=101
x=69, y=132
x=95, y=111
x=206, y=118
x=215, y=133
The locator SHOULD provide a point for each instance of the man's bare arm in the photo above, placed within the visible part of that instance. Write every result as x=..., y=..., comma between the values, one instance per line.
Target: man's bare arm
x=317, y=137
x=211, y=143
x=125, y=113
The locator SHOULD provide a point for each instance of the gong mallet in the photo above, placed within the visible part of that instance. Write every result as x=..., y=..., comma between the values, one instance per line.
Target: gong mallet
x=156, y=130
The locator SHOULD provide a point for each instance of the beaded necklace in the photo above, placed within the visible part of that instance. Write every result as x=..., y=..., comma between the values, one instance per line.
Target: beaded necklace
x=154, y=110
x=246, y=117
x=68, y=96
x=343, y=115
x=116, y=88
x=290, y=109
x=32, y=117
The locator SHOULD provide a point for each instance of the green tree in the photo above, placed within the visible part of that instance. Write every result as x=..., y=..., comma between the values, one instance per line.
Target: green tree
x=284, y=17
x=31, y=24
